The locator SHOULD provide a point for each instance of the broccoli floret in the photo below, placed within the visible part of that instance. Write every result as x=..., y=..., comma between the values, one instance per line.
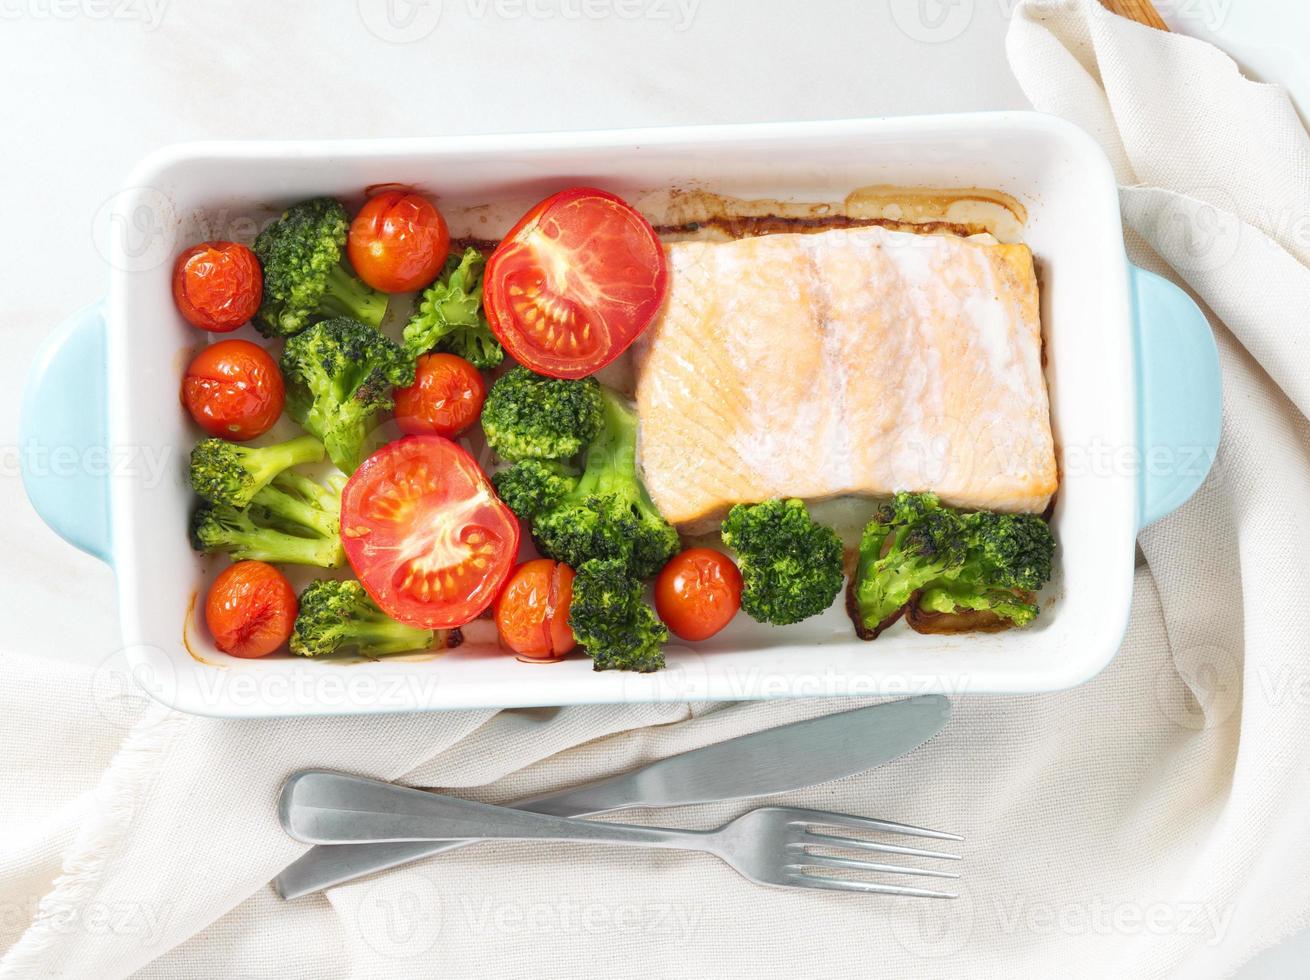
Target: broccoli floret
x=336, y=617
x=910, y=542
x=304, y=278
x=340, y=375
x=247, y=534
x=1010, y=550
x=225, y=473
x=1008, y=559
x=531, y=486
x=449, y=315
x=607, y=513
x=791, y=567
x=527, y=416
x=612, y=621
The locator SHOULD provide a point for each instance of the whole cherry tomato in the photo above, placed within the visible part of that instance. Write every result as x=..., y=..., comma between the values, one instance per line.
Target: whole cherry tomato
x=698, y=592
x=217, y=285
x=445, y=398
x=532, y=613
x=575, y=282
x=398, y=242
x=251, y=609
x=234, y=389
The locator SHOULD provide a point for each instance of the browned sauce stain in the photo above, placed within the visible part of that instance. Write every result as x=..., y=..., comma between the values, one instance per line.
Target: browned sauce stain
x=681, y=214
x=752, y=225
x=188, y=624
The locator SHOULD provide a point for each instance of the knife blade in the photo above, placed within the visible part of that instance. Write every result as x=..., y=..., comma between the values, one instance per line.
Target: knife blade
x=775, y=760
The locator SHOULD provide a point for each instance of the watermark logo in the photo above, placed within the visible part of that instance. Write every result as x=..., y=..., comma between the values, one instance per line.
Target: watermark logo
x=136, y=229
x=125, y=682
x=1198, y=232
x=932, y=930
x=932, y=21
x=400, y=21
x=400, y=915
x=1200, y=687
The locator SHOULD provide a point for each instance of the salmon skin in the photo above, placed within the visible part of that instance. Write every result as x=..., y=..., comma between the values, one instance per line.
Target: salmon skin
x=848, y=362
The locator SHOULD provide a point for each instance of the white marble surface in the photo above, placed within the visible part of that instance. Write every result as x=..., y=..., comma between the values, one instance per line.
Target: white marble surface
x=93, y=85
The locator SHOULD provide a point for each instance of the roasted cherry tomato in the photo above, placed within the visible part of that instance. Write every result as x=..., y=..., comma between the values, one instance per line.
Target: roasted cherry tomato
x=234, y=389
x=575, y=282
x=698, y=592
x=532, y=613
x=445, y=398
x=217, y=286
x=425, y=533
x=251, y=609
x=398, y=242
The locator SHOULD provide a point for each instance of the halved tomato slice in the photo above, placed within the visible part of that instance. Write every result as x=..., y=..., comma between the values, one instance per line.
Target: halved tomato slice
x=575, y=282
x=426, y=534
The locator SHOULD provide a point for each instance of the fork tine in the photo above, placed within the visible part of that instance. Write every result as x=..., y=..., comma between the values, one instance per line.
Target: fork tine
x=811, y=817
x=826, y=840
x=850, y=885
x=806, y=859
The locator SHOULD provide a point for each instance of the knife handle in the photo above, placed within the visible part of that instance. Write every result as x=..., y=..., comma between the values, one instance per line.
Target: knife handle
x=325, y=865
x=320, y=807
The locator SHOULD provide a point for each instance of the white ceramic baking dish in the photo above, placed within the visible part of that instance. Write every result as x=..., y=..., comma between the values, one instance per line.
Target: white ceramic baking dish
x=1131, y=364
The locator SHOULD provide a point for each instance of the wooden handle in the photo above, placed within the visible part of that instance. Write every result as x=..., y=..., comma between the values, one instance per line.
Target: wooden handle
x=1138, y=10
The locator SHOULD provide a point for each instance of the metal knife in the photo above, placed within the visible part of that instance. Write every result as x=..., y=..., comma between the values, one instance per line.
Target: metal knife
x=776, y=760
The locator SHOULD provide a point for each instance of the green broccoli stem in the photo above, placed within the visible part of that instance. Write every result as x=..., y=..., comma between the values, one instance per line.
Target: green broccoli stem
x=382, y=636
x=266, y=462
x=610, y=464
x=286, y=508
x=266, y=544
x=346, y=295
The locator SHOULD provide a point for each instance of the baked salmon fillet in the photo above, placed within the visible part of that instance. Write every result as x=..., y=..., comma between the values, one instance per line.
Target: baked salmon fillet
x=847, y=362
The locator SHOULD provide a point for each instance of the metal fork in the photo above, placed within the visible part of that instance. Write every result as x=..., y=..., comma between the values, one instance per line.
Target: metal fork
x=771, y=845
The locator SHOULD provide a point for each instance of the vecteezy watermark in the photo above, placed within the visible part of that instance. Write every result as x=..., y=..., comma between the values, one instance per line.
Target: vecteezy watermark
x=124, y=683
x=400, y=21
x=404, y=915
x=932, y=930
x=566, y=914
x=400, y=915
x=148, y=13
x=688, y=678
x=408, y=21
x=1196, y=232
x=1199, y=687
x=143, y=920
x=932, y=21
x=1099, y=916
x=1211, y=14
x=139, y=228
x=147, y=466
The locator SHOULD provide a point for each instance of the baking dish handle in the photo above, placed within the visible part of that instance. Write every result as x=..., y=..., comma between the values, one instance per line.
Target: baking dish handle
x=65, y=450
x=1179, y=395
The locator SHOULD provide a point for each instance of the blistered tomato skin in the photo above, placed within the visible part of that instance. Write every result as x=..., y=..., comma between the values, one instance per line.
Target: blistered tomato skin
x=532, y=612
x=234, y=390
x=445, y=399
x=217, y=286
x=575, y=282
x=698, y=593
x=426, y=534
x=250, y=610
x=398, y=242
